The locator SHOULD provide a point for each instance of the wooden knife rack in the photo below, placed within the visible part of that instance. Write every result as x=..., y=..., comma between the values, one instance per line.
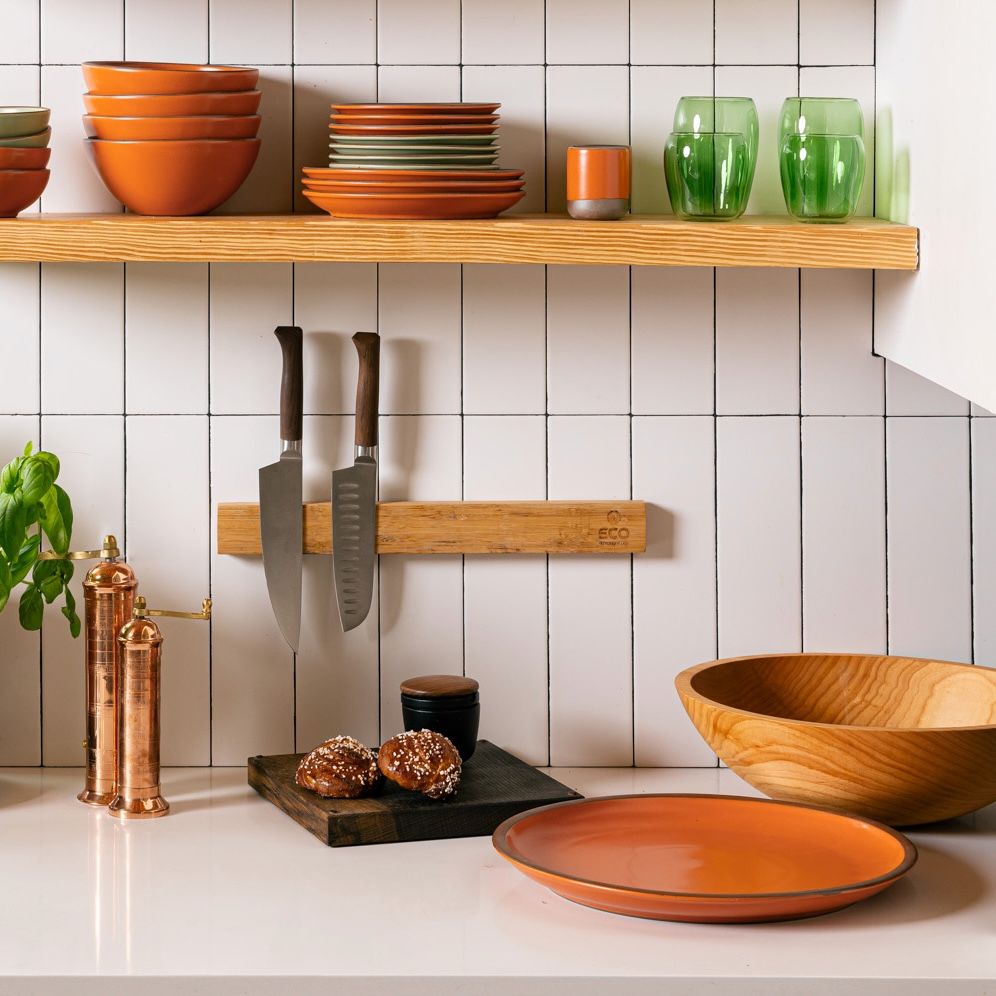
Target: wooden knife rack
x=473, y=527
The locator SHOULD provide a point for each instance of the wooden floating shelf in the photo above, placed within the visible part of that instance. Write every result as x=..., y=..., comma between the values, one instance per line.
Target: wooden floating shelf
x=463, y=527
x=642, y=240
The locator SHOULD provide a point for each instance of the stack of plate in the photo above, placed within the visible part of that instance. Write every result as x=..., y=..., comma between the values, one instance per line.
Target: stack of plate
x=410, y=161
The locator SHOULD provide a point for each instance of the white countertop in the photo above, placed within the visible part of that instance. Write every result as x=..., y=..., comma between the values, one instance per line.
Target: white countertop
x=232, y=896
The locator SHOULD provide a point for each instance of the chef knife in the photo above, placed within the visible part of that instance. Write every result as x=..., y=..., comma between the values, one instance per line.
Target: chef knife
x=354, y=496
x=280, y=515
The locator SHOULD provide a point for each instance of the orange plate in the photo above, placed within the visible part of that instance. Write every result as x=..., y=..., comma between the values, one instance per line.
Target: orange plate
x=414, y=108
x=704, y=858
x=442, y=129
x=418, y=187
x=412, y=119
x=409, y=207
x=165, y=77
x=167, y=105
x=146, y=129
x=336, y=174
x=19, y=189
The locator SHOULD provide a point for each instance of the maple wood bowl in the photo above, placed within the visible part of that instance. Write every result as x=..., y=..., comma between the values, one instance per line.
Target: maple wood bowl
x=167, y=105
x=174, y=178
x=113, y=78
x=898, y=739
x=19, y=189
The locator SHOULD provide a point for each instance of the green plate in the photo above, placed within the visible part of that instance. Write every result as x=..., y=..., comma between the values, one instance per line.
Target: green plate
x=407, y=150
x=415, y=139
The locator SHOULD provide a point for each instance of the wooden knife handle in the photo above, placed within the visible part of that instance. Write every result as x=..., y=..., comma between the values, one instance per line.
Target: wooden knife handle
x=367, y=387
x=291, y=382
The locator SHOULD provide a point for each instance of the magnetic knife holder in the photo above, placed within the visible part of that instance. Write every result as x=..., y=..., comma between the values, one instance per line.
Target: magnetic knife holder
x=473, y=527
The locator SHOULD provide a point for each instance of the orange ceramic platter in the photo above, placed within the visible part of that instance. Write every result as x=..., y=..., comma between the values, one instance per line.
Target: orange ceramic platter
x=414, y=108
x=704, y=858
x=337, y=174
x=441, y=129
x=412, y=119
x=411, y=207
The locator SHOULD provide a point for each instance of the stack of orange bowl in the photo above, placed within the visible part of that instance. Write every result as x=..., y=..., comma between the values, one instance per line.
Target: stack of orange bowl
x=171, y=138
x=411, y=161
x=24, y=153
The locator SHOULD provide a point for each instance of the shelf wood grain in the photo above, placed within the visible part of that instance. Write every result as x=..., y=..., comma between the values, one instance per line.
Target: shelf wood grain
x=463, y=527
x=641, y=240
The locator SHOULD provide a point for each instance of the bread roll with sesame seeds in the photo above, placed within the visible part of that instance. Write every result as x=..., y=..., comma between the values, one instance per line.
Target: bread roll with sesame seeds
x=421, y=761
x=340, y=768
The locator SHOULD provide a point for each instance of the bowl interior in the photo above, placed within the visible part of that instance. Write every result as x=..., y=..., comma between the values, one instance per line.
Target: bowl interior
x=854, y=690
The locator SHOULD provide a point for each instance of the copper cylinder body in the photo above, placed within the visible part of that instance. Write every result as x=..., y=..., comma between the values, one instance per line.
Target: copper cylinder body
x=139, y=795
x=108, y=596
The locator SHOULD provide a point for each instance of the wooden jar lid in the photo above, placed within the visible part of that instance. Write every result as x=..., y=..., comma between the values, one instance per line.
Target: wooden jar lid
x=439, y=686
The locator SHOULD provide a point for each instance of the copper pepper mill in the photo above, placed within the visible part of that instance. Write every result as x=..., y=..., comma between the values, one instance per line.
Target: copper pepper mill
x=139, y=794
x=108, y=596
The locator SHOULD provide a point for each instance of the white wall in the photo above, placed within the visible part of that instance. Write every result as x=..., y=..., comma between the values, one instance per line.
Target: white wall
x=804, y=495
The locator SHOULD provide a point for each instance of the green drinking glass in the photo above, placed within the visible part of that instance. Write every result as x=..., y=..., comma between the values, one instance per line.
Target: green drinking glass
x=821, y=157
x=708, y=176
x=724, y=115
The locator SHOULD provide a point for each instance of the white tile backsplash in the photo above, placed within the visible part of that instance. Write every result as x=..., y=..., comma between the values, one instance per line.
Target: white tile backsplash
x=765, y=532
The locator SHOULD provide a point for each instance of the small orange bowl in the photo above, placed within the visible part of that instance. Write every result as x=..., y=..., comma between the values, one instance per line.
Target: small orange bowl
x=174, y=178
x=170, y=105
x=11, y=158
x=159, y=129
x=20, y=188
x=165, y=77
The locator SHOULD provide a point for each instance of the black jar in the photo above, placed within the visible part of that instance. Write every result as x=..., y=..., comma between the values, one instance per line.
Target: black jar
x=444, y=703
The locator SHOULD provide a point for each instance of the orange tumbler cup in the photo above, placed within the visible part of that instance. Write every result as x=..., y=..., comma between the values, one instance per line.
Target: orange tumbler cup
x=598, y=178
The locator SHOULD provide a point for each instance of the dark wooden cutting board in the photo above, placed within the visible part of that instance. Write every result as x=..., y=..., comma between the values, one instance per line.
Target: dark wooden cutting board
x=494, y=786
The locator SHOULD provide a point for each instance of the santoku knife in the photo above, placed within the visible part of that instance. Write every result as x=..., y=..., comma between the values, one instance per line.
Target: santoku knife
x=280, y=514
x=354, y=496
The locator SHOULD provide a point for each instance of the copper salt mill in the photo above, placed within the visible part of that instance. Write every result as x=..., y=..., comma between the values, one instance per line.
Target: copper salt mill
x=139, y=794
x=108, y=596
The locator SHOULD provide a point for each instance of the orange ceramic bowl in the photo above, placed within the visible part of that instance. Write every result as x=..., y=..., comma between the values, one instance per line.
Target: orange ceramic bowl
x=170, y=105
x=19, y=189
x=24, y=158
x=165, y=77
x=174, y=178
x=704, y=858
x=159, y=129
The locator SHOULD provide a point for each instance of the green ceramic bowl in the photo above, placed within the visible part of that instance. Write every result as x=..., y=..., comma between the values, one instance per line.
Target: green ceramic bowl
x=39, y=141
x=17, y=122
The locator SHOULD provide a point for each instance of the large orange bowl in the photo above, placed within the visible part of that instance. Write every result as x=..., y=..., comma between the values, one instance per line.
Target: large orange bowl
x=174, y=178
x=704, y=858
x=19, y=189
x=165, y=77
x=897, y=739
x=167, y=105
x=165, y=129
x=24, y=158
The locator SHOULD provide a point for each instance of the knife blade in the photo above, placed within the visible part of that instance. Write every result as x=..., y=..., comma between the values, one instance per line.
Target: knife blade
x=354, y=496
x=280, y=513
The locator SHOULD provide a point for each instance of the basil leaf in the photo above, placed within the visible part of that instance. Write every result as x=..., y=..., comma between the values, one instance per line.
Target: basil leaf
x=31, y=608
x=51, y=588
x=10, y=476
x=28, y=447
x=20, y=567
x=36, y=479
x=57, y=520
x=69, y=611
x=45, y=569
x=51, y=459
x=13, y=524
x=5, y=583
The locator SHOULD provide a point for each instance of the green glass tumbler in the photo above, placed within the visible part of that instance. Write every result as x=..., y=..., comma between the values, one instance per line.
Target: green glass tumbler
x=723, y=115
x=708, y=176
x=821, y=157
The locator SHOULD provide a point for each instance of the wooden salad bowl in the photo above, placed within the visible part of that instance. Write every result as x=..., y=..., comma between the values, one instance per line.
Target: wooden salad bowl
x=897, y=739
